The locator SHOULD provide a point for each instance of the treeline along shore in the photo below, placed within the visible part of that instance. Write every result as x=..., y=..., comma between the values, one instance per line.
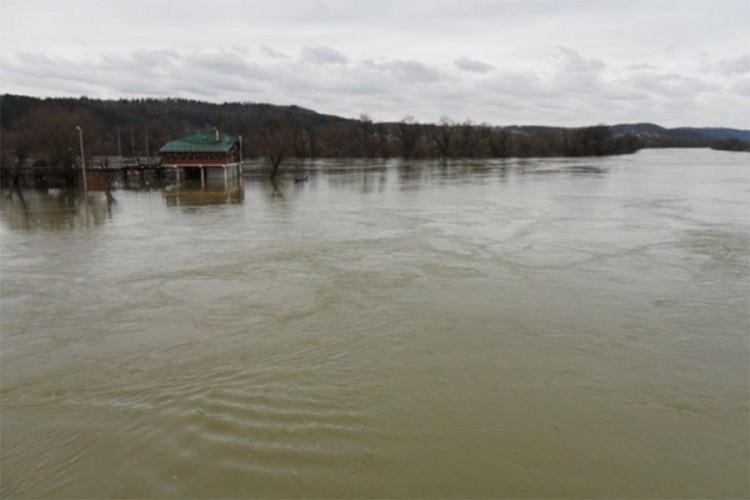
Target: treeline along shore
x=41, y=133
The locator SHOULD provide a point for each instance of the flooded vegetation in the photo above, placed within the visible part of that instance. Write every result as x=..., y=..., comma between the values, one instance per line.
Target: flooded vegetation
x=545, y=328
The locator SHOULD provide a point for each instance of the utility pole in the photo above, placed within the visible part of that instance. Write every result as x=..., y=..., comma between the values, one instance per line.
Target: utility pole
x=147, y=151
x=239, y=170
x=132, y=141
x=83, y=156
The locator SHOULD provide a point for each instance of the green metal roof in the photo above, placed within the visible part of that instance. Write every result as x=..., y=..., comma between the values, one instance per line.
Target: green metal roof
x=201, y=142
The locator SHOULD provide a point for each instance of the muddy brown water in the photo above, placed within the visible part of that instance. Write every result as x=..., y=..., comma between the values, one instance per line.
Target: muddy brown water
x=560, y=328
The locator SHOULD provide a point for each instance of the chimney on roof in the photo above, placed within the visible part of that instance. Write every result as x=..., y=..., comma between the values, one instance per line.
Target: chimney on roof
x=217, y=133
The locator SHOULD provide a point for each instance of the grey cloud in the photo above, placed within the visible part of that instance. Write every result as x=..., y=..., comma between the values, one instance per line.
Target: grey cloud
x=741, y=87
x=736, y=66
x=143, y=72
x=41, y=66
x=272, y=53
x=669, y=85
x=621, y=92
x=149, y=57
x=323, y=55
x=407, y=70
x=471, y=65
x=576, y=74
x=642, y=67
x=572, y=62
x=224, y=63
x=574, y=89
x=516, y=83
x=39, y=72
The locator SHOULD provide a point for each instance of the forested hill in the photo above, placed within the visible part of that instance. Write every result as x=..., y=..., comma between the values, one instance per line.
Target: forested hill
x=45, y=128
x=173, y=114
x=652, y=134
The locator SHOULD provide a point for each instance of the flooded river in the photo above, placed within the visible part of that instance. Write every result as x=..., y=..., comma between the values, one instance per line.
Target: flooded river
x=565, y=328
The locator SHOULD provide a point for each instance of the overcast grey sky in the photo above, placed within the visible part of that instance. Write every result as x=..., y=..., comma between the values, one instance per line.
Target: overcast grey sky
x=570, y=63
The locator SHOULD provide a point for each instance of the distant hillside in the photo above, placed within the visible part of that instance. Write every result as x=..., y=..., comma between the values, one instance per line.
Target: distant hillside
x=652, y=135
x=191, y=113
x=181, y=114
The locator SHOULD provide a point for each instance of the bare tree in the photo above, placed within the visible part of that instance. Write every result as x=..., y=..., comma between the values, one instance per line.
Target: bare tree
x=275, y=140
x=442, y=137
x=16, y=148
x=55, y=140
x=382, y=141
x=500, y=143
x=365, y=137
x=408, y=135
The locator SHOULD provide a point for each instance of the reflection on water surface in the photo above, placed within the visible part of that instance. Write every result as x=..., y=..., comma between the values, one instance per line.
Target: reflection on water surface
x=521, y=328
x=55, y=209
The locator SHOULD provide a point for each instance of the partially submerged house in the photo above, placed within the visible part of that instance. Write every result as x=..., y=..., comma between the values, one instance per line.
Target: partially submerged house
x=208, y=157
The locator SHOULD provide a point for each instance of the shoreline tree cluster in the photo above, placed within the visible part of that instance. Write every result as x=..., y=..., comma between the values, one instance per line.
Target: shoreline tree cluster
x=40, y=133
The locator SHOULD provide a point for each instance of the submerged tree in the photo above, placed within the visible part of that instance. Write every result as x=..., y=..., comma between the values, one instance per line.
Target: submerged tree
x=275, y=140
x=441, y=136
x=408, y=134
x=732, y=144
x=16, y=147
x=48, y=132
